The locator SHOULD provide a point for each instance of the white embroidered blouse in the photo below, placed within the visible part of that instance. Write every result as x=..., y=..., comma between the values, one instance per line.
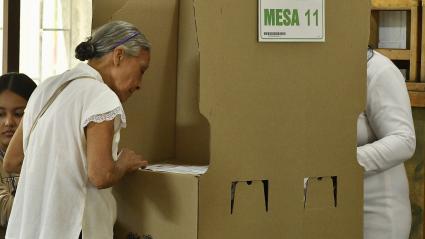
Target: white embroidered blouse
x=55, y=198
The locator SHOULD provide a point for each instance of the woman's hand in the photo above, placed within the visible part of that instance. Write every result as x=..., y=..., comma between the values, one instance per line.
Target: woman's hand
x=102, y=170
x=131, y=161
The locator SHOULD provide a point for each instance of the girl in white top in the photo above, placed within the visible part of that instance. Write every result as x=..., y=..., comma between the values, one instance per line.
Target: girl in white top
x=70, y=161
x=385, y=139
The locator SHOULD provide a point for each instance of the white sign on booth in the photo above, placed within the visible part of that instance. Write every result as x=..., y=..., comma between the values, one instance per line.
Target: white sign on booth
x=291, y=20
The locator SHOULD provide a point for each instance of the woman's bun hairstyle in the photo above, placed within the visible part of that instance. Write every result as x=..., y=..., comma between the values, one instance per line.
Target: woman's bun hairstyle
x=85, y=51
x=110, y=36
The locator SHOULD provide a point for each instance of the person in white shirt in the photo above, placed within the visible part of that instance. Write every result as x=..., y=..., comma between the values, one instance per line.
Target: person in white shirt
x=69, y=158
x=385, y=139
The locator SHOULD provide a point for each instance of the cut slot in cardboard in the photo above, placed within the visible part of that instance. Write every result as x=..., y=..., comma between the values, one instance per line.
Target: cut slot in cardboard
x=320, y=192
x=248, y=195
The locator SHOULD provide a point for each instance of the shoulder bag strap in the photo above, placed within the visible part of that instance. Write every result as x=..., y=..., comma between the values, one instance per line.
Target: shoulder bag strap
x=50, y=101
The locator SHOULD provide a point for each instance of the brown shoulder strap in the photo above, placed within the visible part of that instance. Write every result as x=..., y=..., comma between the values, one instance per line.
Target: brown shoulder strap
x=50, y=101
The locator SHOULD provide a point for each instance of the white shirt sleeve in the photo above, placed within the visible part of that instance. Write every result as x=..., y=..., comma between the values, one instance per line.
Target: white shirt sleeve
x=103, y=105
x=389, y=115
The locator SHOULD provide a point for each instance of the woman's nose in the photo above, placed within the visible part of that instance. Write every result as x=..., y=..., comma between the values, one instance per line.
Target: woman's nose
x=10, y=120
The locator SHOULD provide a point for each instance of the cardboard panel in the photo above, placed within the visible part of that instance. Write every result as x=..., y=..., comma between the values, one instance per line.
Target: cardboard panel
x=276, y=111
x=161, y=205
x=282, y=112
x=192, y=128
x=151, y=112
x=270, y=102
x=103, y=10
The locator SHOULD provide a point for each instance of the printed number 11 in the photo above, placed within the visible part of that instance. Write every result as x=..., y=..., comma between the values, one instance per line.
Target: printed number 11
x=315, y=14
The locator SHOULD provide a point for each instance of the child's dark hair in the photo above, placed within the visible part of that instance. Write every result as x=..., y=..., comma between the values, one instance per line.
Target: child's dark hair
x=18, y=83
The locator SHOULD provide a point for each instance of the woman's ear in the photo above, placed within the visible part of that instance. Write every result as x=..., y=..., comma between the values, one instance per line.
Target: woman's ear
x=118, y=55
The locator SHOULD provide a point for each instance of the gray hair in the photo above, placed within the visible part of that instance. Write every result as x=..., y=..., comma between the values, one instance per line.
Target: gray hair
x=110, y=36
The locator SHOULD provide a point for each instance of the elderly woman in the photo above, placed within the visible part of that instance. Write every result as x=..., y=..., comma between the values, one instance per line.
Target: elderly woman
x=15, y=90
x=385, y=139
x=67, y=143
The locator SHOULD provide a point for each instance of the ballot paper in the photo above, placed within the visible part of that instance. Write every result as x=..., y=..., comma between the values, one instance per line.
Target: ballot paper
x=182, y=169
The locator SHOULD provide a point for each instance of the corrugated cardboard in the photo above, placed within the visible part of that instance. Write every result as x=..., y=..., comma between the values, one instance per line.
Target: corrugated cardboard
x=152, y=111
x=168, y=208
x=264, y=116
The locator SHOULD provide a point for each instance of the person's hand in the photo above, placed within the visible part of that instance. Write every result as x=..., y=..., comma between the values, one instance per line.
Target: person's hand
x=131, y=161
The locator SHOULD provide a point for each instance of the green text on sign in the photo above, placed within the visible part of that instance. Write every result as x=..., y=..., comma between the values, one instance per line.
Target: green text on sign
x=288, y=17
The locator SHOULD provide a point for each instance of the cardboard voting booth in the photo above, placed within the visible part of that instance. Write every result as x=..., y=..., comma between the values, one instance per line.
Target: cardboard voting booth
x=275, y=122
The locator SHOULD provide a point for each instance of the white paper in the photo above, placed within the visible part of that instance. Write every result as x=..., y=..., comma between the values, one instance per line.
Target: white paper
x=181, y=169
